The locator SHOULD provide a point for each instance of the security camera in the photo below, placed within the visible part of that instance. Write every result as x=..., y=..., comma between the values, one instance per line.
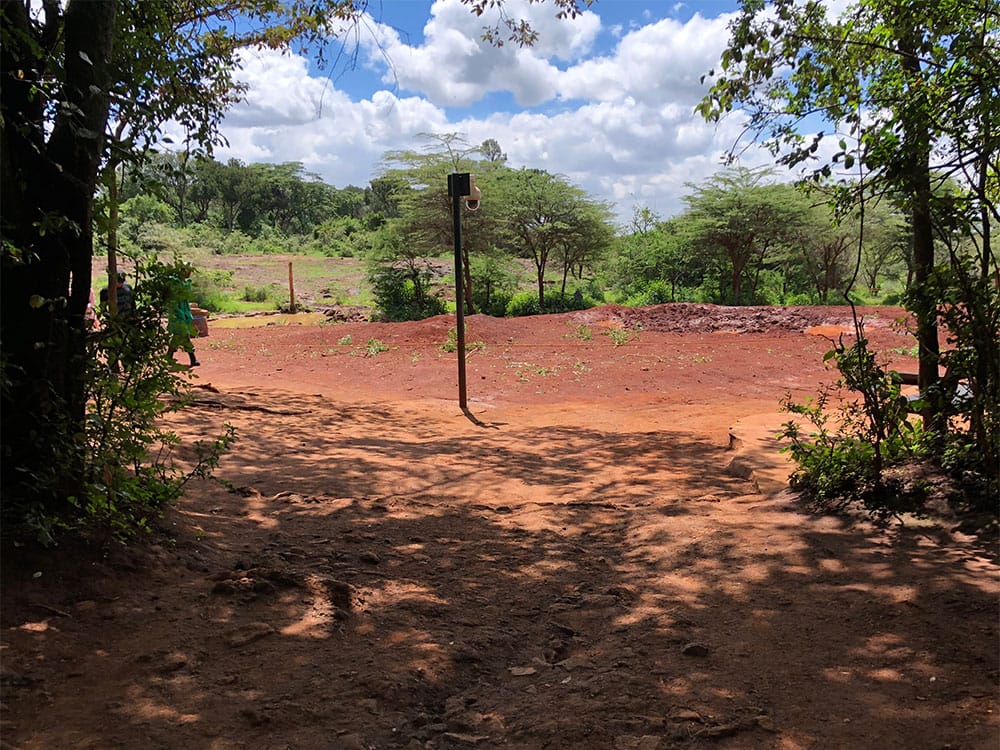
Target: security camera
x=475, y=195
x=472, y=201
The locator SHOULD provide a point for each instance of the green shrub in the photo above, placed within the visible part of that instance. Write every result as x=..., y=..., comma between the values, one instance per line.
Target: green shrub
x=255, y=294
x=130, y=470
x=399, y=298
x=493, y=284
x=522, y=303
x=653, y=293
x=375, y=347
x=845, y=457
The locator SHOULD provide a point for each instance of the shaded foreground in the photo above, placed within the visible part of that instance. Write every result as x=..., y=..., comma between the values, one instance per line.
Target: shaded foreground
x=586, y=560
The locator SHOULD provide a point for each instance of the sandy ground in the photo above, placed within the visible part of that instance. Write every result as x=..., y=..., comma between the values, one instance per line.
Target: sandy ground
x=600, y=552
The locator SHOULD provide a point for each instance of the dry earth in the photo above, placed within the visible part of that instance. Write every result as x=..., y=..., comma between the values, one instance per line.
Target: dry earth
x=598, y=554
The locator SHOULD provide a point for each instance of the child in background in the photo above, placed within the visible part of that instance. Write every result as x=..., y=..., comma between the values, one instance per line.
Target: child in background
x=180, y=320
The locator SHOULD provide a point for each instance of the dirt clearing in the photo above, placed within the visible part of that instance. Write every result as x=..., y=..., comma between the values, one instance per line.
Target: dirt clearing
x=599, y=554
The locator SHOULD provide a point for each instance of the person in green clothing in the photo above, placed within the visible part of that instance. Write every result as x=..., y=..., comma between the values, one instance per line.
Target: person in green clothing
x=180, y=321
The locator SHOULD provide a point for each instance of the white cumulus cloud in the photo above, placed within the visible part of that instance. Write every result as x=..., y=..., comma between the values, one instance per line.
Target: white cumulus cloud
x=620, y=123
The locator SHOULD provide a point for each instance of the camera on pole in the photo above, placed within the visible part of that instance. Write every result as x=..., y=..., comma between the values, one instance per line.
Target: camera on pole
x=474, y=196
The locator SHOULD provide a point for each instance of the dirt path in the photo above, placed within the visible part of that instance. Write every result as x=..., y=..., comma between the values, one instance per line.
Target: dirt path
x=587, y=559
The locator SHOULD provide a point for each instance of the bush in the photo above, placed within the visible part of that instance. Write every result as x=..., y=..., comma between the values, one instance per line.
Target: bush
x=129, y=471
x=844, y=459
x=207, y=291
x=522, y=303
x=398, y=298
x=493, y=284
x=653, y=293
x=255, y=294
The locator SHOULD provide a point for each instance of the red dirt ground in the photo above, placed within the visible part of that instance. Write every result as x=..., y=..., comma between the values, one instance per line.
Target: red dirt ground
x=598, y=554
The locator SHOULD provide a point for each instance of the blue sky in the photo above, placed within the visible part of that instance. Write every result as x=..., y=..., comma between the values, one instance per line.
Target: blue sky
x=606, y=100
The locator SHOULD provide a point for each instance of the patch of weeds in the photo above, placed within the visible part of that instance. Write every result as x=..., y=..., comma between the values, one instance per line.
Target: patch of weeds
x=345, y=340
x=255, y=294
x=582, y=332
x=376, y=347
x=521, y=369
x=912, y=351
x=620, y=335
x=451, y=344
x=218, y=345
x=415, y=357
x=579, y=368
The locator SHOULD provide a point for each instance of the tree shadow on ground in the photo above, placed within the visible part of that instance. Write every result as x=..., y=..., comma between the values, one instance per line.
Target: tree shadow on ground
x=393, y=579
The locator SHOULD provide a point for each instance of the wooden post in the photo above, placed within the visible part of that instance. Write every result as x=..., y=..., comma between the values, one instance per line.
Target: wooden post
x=291, y=289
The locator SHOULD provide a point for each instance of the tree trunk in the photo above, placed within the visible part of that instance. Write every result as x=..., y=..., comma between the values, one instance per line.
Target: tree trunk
x=48, y=189
x=917, y=150
x=737, y=283
x=467, y=272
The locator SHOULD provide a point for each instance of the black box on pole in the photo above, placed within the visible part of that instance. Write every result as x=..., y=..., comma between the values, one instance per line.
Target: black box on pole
x=459, y=184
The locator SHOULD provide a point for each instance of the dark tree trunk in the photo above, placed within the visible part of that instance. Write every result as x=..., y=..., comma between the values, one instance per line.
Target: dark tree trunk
x=48, y=184
x=467, y=272
x=917, y=149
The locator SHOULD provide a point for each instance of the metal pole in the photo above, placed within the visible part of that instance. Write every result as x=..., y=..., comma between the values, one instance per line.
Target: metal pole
x=456, y=202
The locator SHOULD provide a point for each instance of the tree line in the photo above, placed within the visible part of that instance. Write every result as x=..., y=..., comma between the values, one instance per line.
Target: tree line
x=743, y=237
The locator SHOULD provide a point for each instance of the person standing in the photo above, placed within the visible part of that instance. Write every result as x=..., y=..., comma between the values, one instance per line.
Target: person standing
x=118, y=328
x=123, y=297
x=180, y=320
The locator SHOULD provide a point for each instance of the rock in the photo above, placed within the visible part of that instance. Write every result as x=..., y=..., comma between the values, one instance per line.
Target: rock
x=599, y=601
x=686, y=714
x=466, y=739
x=249, y=633
x=575, y=662
x=370, y=557
x=766, y=723
x=351, y=741
x=632, y=742
x=173, y=662
x=339, y=592
x=739, y=468
x=253, y=717
x=695, y=649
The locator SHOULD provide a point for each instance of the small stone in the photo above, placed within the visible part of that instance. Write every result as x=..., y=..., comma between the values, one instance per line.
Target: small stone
x=350, y=742
x=632, y=742
x=370, y=557
x=686, y=714
x=695, y=649
x=767, y=724
x=340, y=593
x=173, y=662
x=246, y=634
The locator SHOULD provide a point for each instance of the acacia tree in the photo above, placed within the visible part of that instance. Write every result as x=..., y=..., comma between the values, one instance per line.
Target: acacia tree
x=426, y=209
x=588, y=243
x=540, y=212
x=64, y=65
x=743, y=220
x=911, y=91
